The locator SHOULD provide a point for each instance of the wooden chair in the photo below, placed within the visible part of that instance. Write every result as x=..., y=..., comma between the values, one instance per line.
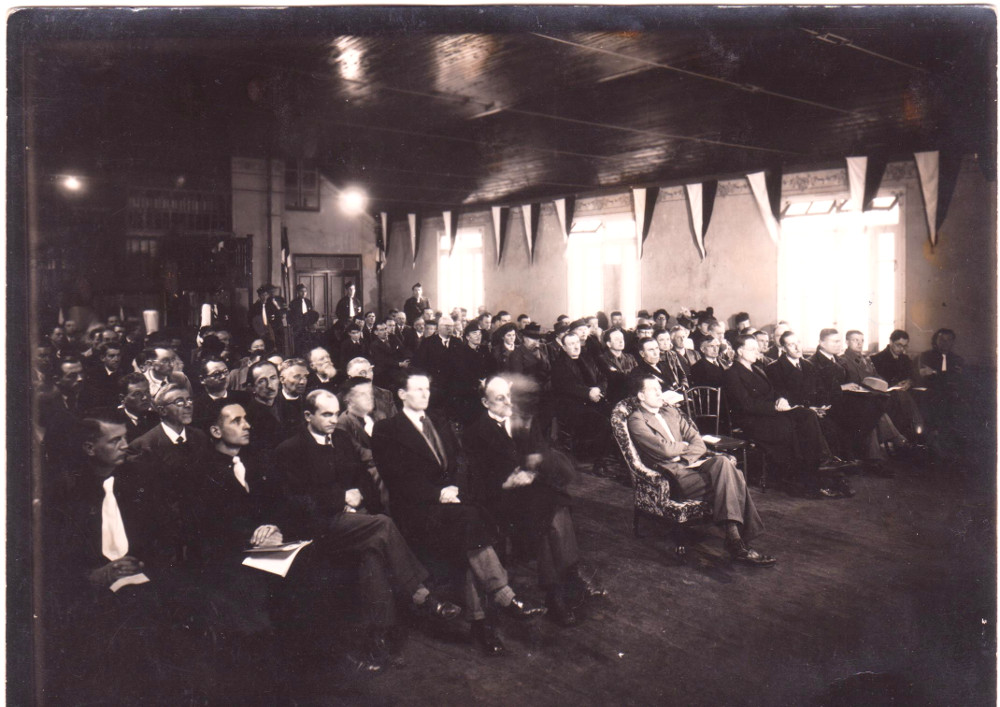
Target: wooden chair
x=704, y=404
x=652, y=489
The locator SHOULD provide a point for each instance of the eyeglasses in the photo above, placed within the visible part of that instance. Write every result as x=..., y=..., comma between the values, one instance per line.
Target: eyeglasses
x=181, y=402
x=218, y=374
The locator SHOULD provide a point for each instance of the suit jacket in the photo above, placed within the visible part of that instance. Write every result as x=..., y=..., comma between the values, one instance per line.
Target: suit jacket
x=858, y=366
x=295, y=314
x=616, y=371
x=643, y=369
x=266, y=430
x=440, y=363
x=749, y=392
x=361, y=447
x=156, y=443
x=385, y=358
x=800, y=385
x=313, y=479
x=534, y=364
x=895, y=369
x=831, y=374
x=256, y=319
x=142, y=425
x=414, y=308
x=290, y=414
x=349, y=350
x=671, y=362
x=572, y=380
x=705, y=373
x=654, y=446
x=342, y=310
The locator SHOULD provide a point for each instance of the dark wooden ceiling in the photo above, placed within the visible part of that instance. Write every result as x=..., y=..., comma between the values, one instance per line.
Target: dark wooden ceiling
x=449, y=108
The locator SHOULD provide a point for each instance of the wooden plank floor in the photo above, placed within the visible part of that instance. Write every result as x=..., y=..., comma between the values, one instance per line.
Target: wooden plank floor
x=895, y=587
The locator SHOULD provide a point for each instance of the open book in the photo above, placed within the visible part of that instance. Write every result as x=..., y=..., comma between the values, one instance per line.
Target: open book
x=276, y=559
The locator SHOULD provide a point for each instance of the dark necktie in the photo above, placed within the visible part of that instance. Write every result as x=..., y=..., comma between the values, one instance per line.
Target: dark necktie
x=430, y=434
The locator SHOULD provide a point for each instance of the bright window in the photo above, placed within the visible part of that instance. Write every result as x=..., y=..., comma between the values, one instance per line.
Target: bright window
x=840, y=268
x=603, y=266
x=460, y=271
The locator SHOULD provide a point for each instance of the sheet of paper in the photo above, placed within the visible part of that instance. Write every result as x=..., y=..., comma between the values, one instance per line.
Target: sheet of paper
x=140, y=578
x=711, y=439
x=695, y=464
x=276, y=561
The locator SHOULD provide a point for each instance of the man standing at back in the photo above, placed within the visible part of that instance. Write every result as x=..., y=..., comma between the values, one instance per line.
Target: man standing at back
x=415, y=305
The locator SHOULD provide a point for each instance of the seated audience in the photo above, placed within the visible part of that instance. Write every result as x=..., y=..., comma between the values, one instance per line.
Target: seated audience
x=579, y=395
x=385, y=401
x=615, y=365
x=213, y=374
x=137, y=404
x=709, y=368
x=894, y=365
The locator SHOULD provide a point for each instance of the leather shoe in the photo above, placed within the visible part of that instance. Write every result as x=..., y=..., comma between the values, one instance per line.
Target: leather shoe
x=739, y=552
x=560, y=612
x=485, y=636
x=380, y=652
x=435, y=609
x=587, y=587
x=522, y=609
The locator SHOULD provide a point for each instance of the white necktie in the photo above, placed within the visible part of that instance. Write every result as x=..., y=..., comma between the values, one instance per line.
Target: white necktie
x=663, y=423
x=305, y=310
x=351, y=310
x=369, y=425
x=240, y=472
x=944, y=363
x=114, y=543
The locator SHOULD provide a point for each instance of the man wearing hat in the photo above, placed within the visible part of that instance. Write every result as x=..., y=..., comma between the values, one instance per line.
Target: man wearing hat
x=265, y=317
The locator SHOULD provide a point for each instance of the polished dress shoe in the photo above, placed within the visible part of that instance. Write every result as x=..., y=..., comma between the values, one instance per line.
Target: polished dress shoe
x=588, y=587
x=436, y=609
x=522, y=609
x=561, y=612
x=485, y=636
x=739, y=552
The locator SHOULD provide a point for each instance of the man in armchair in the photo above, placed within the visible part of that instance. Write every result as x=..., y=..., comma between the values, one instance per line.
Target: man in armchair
x=671, y=444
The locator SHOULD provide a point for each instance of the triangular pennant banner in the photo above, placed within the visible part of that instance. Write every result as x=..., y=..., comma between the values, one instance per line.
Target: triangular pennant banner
x=772, y=178
x=927, y=170
x=694, y=198
x=874, y=171
x=449, y=230
x=856, y=169
x=500, y=215
x=564, y=211
x=412, y=218
x=529, y=213
x=950, y=164
x=708, y=191
x=758, y=186
x=643, y=204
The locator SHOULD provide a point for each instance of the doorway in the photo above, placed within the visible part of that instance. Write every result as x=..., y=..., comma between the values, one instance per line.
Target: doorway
x=324, y=277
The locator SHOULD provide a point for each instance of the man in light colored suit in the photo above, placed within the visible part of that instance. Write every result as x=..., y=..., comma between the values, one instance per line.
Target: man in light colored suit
x=672, y=445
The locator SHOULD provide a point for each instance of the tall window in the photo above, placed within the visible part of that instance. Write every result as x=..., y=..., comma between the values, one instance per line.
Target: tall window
x=603, y=266
x=301, y=185
x=839, y=268
x=460, y=273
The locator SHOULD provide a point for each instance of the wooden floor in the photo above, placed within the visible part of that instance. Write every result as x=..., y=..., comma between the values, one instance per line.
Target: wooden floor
x=888, y=594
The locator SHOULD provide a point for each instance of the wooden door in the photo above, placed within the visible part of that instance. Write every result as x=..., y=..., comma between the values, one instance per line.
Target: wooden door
x=324, y=277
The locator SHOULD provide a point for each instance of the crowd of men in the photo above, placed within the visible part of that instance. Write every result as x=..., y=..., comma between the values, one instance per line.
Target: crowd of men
x=413, y=442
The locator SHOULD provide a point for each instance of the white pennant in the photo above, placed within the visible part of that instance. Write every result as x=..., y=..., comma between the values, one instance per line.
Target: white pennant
x=412, y=218
x=526, y=215
x=856, y=169
x=927, y=168
x=694, y=195
x=639, y=209
x=447, y=231
x=759, y=188
x=385, y=232
x=497, y=235
x=561, y=214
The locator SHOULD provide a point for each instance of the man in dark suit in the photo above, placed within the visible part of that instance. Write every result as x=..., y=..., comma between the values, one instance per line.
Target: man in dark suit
x=293, y=374
x=298, y=308
x=670, y=361
x=349, y=306
x=709, y=368
x=264, y=318
x=358, y=421
x=894, y=365
x=792, y=436
x=671, y=444
x=524, y=485
x=352, y=346
x=418, y=459
x=174, y=441
x=385, y=401
x=415, y=305
x=579, y=392
x=384, y=357
x=321, y=482
x=649, y=364
x=859, y=367
x=135, y=402
x=108, y=570
x=616, y=365
x=438, y=356
x=100, y=388
x=213, y=374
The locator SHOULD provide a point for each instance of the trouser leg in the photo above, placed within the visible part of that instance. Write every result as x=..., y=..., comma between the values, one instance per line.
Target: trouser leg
x=557, y=549
x=487, y=569
x=376, y=590
x=352, y=532
x=473, y=599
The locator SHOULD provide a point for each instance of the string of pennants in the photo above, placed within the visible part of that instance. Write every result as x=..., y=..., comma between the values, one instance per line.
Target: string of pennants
x=937, y=176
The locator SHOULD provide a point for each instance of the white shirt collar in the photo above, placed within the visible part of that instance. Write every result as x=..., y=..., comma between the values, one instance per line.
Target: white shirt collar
x=225, y=394
x=173, y=435
x=133, y=418
x=320, y=439
x=829, y=356
x=414, y=417
x=287, y=397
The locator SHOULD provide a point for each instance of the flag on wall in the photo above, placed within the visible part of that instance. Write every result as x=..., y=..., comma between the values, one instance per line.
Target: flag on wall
x=758, y=185
x=286, y=253
x=643, y=204
x=449, y=230
x=412, y=219
x=927, y=170
x=381, y=231
x=564, y=212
